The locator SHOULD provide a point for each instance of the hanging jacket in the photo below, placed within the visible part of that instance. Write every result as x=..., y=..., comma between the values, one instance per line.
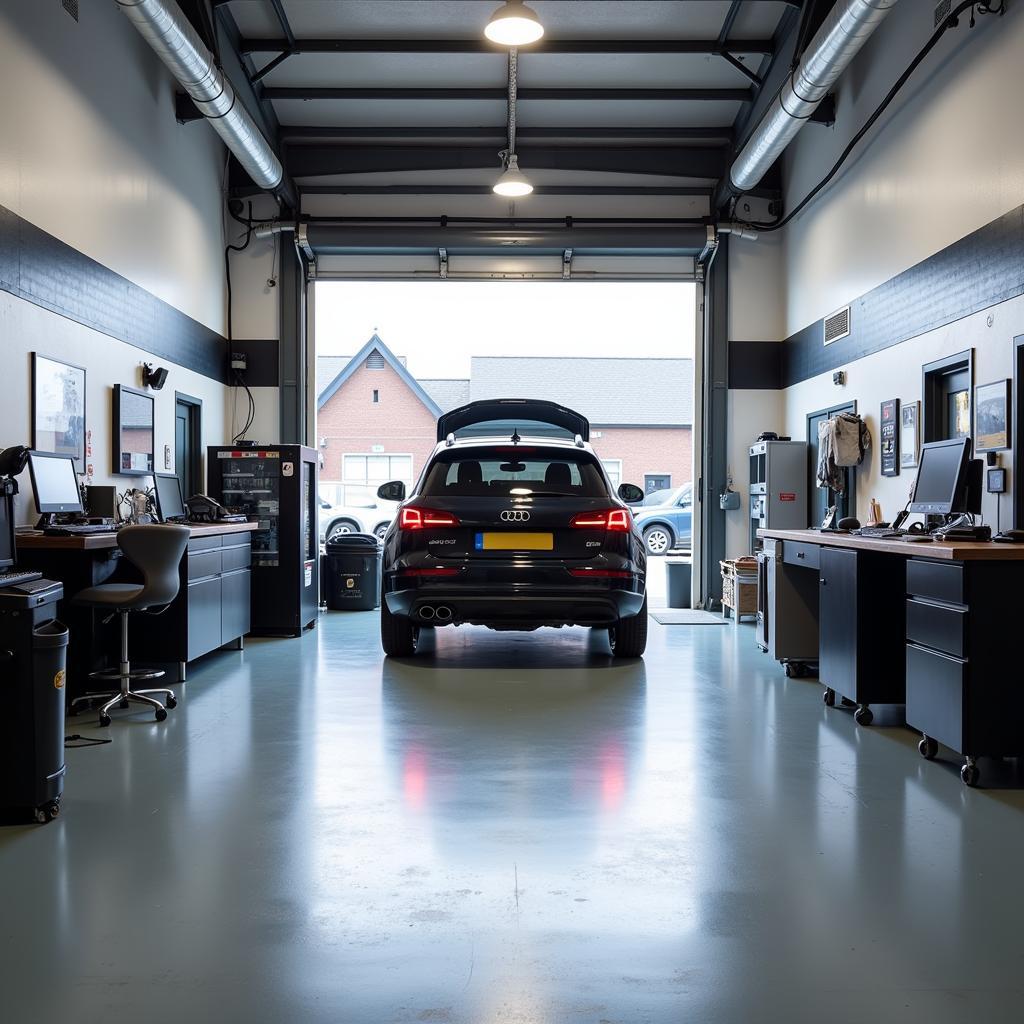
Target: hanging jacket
x=843, y=441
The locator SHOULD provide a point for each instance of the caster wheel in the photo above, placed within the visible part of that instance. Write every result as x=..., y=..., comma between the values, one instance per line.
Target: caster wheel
x=124, y=705
x=970, y=774
x=795, y=670
x=864, y=716
x=928, y=747
x=104, y=721
x=47, y=812
x=161, y=714
x=172, y=702
x=829, y=697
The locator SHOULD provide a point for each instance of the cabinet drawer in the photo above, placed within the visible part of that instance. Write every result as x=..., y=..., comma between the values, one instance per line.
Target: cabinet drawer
x=238, y=556
x=807, y=555
x=936, y=695
x=203, y=563
x=205, y=543
x=943, y=582
x=937, y=626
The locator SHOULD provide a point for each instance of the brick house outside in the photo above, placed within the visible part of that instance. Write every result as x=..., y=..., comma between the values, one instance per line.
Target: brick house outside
x=376, y=422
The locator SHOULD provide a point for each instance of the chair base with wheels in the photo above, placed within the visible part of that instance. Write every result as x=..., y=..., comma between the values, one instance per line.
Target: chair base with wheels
x=157, y=552
x=125, y=696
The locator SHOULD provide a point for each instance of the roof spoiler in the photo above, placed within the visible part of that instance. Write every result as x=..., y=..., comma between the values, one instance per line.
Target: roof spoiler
x=517, y=411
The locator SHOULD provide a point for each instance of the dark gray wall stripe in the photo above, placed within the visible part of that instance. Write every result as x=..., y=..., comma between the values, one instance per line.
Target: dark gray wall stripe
x=262, y=361
x=755, y=365
x=50, y=273
x=985, y=268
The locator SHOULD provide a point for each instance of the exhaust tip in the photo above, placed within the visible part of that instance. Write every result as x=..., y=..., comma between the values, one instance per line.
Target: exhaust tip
x=426, y=612
x=443, y=613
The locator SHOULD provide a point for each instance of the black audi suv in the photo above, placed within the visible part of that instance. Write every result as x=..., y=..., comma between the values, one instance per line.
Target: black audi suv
x=513, y=524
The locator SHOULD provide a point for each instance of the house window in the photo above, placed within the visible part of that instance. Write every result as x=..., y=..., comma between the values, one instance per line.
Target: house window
x=361, y=475
x=376, y=396
x=613, y=467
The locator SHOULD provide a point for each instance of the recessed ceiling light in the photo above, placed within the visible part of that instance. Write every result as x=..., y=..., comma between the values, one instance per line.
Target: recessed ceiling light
x=514, y=24
x=513, y=182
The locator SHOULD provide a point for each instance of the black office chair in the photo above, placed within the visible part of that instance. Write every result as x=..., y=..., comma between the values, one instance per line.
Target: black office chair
x=156, y=552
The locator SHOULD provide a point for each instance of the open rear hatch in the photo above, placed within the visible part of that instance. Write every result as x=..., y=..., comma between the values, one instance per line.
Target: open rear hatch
x=501, y=416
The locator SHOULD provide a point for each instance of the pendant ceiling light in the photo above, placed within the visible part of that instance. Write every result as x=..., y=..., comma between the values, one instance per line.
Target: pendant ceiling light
x=513, y=182
x=514, y=24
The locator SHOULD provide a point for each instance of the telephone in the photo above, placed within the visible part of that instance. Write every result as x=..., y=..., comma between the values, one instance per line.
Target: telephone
x=203, y=509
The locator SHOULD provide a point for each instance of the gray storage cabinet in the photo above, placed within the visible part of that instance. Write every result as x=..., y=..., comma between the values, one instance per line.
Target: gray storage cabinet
x=212, y=608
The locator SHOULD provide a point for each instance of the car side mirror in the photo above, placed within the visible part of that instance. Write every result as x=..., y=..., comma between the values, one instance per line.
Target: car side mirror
x=393, y=490
x=631, y=494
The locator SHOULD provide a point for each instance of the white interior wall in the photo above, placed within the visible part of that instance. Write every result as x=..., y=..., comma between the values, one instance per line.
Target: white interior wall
x=941, y=164
x=945, y=160
x=92, y=154
x=756, y=313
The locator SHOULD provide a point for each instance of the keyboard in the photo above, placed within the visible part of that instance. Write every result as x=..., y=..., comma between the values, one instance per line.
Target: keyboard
x=879, y=531
x=12, y=579
x=74, y=529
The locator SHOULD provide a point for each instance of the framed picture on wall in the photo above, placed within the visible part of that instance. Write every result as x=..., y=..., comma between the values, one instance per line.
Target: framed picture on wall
x=58, y=408
x=910, y=434
x=992, y=416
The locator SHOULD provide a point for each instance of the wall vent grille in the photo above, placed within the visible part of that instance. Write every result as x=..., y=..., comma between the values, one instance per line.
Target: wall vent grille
x=942, y=11
x=837, y=325
x=375, y=361
x=71, y=6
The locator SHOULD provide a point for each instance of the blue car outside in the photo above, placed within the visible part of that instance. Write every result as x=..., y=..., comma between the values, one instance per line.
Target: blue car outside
x=668, y=525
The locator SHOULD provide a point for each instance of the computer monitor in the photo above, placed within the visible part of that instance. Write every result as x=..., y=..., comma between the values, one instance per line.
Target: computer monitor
x=8, y=554
x=54, y=483
x=941, y=486
x=169, y=502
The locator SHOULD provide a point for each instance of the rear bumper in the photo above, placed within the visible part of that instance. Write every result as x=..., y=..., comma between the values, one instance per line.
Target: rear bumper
x=553, y=599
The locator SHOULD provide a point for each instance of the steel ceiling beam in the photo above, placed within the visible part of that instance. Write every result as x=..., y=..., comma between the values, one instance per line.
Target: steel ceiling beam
x=673, y=161
x=526, y=94
x=476, y=46
x=324, y=133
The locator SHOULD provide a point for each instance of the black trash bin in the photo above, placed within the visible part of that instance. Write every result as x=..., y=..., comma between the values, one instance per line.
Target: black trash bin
x=351, y=573
x=33, y=665
x=679, y=573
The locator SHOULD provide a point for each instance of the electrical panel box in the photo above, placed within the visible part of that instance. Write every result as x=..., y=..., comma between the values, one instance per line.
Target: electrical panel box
x=778, y=487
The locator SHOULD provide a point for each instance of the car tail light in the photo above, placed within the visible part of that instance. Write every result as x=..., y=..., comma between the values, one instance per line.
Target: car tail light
x=412, y=518
x=603, y=574
x=615, y=520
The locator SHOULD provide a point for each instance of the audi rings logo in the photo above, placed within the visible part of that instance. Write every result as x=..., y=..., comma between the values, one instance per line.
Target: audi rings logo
x=515, y=515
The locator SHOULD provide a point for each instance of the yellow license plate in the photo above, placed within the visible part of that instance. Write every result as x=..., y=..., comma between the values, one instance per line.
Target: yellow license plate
x=515, y=541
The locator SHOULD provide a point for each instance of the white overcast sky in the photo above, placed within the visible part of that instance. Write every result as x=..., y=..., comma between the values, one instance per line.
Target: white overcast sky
x=439, y=325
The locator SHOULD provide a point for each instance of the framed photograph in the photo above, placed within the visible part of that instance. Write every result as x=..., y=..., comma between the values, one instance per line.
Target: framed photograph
x=132, y=432
x=910, y=434
x=992, y=416
x=890, y=430
x=58, y=408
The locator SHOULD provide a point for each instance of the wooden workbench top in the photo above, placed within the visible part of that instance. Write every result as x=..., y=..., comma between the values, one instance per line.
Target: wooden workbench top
x=953, y=551
x=98, y=541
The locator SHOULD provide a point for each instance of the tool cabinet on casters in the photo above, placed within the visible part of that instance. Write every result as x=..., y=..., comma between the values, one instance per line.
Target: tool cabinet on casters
x=932, y=625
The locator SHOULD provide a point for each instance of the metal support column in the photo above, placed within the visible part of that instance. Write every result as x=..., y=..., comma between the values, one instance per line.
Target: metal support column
x=715, y=446
x=293, y=344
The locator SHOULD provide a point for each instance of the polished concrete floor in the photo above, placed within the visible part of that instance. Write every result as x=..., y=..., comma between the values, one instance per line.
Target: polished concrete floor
x=513, y=830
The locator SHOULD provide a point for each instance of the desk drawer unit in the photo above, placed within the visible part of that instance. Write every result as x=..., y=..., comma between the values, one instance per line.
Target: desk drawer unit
x=806, y=555
x=936, y=695
x=940, y=581
x=940, y=627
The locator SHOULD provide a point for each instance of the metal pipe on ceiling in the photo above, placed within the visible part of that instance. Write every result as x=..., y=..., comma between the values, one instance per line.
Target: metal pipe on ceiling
x=174, y=40
x=846, y=28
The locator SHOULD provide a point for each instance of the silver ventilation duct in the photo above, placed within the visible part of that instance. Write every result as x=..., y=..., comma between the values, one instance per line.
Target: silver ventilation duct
x=177, y=44
x=845, y=30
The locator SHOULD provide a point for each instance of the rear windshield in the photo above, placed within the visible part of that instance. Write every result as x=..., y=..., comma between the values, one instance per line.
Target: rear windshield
x=510, y=474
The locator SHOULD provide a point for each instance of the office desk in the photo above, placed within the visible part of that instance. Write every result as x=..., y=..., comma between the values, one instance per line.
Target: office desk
x=210, y=611
x=928, y=625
